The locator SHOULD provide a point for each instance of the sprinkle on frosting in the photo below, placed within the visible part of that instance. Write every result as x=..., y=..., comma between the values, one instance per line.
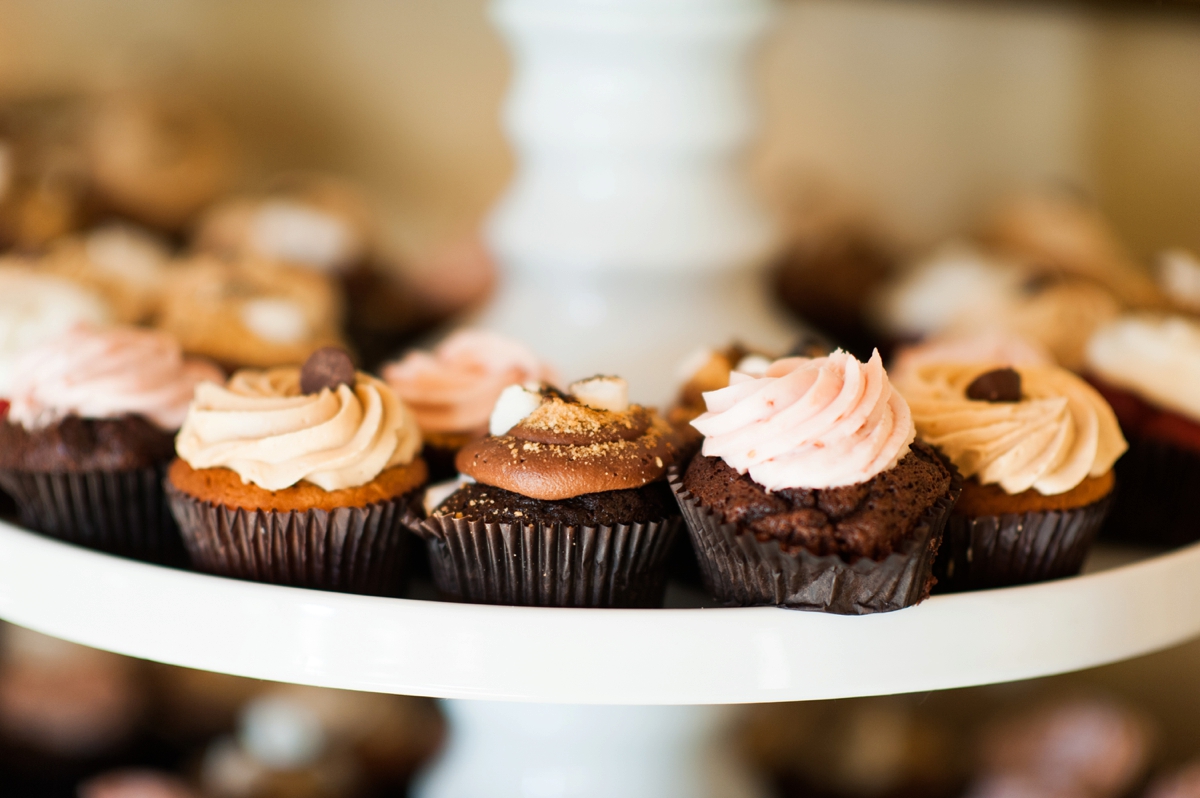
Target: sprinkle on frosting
x=1155, y=358
x=106, y=373
x=1059, y=433
x=809, y=423
x=263, y=428
x=454, y=387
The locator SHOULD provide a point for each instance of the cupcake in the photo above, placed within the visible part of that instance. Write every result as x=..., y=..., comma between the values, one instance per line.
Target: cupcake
x=567, y=503
x=811, y=492
x=250, y=314
x=89, y=433
x=1148, y=367
x=1036, y=445
x=452, y=389
x=301, y=477
x=123, y=263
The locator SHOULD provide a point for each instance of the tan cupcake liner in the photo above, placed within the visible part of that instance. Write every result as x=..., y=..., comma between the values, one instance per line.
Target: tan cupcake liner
x=120, y=512
x=740, y=570
x=347, y=549
x=1015, y=549
x=550, y=565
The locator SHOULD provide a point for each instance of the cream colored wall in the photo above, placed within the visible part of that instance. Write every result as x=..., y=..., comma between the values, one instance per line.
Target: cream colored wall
x=923, y=111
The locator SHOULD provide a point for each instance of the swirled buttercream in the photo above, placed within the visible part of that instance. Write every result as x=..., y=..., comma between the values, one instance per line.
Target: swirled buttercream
x=106, y=373
x=1155, y=358
x=991, y=346
x=454, y=387
x=1059, y=433
x=809, y=423
x=263, y=428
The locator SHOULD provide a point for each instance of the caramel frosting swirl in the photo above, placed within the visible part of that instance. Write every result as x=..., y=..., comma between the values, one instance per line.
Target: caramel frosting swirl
x=263, y=428
x=565, y=448
x=1059, y=433
x=453, y=388
x=94, y=373
x=821, y=422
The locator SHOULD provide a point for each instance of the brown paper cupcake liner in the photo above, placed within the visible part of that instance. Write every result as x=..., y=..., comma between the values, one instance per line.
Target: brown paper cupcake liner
x=550, y=565
x=120, y=512
x=740, y=570
x=347, y=549
x=1155, y=503
x=1015, y=549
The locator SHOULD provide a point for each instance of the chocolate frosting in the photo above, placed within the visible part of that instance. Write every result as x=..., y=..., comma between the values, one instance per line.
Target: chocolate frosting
x=565, y=449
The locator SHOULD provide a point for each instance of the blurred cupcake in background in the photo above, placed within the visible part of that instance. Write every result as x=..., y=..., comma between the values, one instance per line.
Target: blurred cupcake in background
x=299, y=476
x=89, y=432
x=136, y=783
x=1178, y=274
x=1148, y=367
x=812, y=492
x=1183, y=782
x=250, y=313
x=157, y=158
x=1036, y=446
x=126, y=264
x=453, y=388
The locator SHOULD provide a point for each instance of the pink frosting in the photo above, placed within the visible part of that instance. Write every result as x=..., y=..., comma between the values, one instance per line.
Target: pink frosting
x=454, y=387
x=809, y=423
x=95, y=373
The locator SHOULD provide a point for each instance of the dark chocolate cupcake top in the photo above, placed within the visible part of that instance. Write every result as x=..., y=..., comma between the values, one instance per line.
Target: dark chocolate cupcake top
x=549, y=445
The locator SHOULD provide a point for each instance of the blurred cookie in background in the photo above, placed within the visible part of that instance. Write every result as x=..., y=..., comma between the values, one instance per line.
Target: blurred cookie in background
x=250, y=312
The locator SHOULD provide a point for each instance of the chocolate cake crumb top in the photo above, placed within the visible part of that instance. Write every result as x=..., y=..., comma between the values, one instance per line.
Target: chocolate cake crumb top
x=870, y=519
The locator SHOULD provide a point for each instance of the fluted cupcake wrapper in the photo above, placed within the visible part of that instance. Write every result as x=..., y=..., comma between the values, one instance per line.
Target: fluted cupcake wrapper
x=1155, y=503
x=121, y=512
x=550, y=565
x=347, y=549
x=740, y=570
x=1015, y=549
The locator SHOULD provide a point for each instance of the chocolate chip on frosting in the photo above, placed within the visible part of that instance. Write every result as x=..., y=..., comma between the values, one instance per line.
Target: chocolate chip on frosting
x=328, y=367
x=997, y=385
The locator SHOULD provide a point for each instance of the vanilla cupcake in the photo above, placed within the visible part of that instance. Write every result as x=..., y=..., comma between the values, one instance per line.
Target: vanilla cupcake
x=128, y=266
x=1148, y=367
x=297, y=476
x=453, y=389
x=1036, y=445
x=250, y=314
x=812, y=492
x=89, y=433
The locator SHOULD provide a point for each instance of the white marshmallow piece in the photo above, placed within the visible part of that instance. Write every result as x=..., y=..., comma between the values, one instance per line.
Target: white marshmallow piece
x=754, y=365
x=514, y=404
x=602, y=393
x=274, y=319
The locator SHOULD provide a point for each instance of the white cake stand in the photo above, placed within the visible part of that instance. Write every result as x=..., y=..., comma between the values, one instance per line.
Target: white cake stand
x=560, y=661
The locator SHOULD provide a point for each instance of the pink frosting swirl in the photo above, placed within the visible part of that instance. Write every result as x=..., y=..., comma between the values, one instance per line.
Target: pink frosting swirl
x=809, y=423
x=94, y=373
x=454, y=387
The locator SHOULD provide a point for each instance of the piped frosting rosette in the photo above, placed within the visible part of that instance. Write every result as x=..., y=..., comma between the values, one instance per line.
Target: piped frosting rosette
x=261, y=426
x=812, y=423
x=106, y=373
x=1060, y=432
x=454, y=387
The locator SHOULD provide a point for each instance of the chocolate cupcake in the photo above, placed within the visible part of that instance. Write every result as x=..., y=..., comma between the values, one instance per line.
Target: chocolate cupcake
x=302, y=477
x=568, y=504
x=811, y=493
x=1037, y=446
x=452, y=389
x=1148, y=367
x=89, y=433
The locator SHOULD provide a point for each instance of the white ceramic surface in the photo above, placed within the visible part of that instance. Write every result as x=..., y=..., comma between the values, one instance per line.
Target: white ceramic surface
x=677, y=656
x=628, y=235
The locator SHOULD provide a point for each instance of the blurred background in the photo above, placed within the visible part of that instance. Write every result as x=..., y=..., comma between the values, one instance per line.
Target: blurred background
x=888, y=128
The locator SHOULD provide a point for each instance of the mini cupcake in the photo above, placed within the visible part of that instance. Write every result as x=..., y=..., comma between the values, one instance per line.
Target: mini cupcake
x=568, y=504
x=811, y=492
x=453, y=389
x=1036, y=445
x=123, y=263
x=301, y=477
x=1148, y=368
x=89, y=433
x=250, y=314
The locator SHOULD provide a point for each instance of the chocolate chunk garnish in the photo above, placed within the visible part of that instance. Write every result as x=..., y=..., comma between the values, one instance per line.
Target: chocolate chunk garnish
x=328, y=367
x=998, y=385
